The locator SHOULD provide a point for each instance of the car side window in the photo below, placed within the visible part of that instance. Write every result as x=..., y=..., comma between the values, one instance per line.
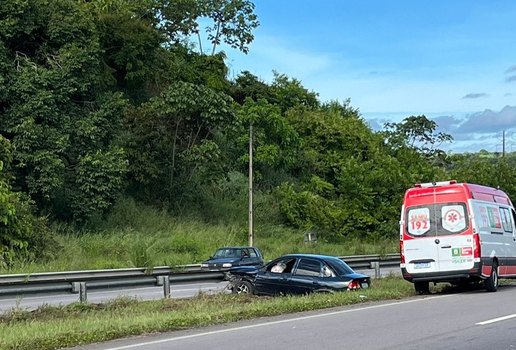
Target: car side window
x=326, y=271
x=282, y=266
x=308, y=267
x=252, y=253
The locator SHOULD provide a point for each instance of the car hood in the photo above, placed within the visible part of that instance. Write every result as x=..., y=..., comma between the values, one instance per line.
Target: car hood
x=244, y=270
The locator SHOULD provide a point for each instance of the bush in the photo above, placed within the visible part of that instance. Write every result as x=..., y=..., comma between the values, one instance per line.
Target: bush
x=22, y=235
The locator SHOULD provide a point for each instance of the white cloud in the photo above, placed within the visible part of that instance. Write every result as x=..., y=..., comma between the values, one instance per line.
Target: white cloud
x=490, y=121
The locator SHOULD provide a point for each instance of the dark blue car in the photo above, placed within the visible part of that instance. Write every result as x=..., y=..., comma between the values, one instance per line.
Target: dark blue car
x=228, y=257
x=297, y=274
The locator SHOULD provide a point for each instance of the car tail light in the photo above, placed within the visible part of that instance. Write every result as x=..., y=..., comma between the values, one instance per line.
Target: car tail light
x=353, y=285
x=402, y=253
x=476, y=246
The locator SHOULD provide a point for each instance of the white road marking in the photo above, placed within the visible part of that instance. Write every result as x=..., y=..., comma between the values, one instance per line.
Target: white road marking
x=496, y=320
x=274, y=323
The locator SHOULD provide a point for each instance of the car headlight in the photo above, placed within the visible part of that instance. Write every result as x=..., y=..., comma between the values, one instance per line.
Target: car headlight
x=204, y=265
x=227, y=265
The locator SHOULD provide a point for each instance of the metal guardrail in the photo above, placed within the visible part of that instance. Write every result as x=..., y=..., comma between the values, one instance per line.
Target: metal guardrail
x=369, y=261
x=79, y=281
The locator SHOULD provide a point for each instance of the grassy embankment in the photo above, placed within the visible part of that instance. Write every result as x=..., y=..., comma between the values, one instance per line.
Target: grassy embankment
x=136, y=236
x=139, y=236
x=55, y=327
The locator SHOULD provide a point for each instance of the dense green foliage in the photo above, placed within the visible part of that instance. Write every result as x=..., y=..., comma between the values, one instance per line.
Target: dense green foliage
x=105, y=99
x=22, y=236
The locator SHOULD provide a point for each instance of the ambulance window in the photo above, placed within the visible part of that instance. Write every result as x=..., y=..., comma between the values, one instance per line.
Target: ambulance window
x=418, y=221
x=506, y=220
x=453, y=218
x=495, y=219
x=440, y=219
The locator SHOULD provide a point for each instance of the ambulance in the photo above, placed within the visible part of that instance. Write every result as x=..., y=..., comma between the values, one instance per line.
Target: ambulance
x=457, y=233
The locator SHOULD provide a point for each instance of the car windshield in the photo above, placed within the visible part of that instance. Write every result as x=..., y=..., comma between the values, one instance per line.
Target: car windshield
x=228, y=253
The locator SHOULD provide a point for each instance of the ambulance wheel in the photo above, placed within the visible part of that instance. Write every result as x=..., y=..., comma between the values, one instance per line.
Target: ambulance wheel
x=491, y=283
x=422, y=287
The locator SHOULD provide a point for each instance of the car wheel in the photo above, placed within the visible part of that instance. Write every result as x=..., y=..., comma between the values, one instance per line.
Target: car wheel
x=422, y=287
x=491, y=283
x=243, y=287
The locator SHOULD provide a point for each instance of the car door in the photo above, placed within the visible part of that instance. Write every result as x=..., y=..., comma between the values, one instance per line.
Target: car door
x=272, y=281
x=440, y=238
x=305, y=278
x=249, y=257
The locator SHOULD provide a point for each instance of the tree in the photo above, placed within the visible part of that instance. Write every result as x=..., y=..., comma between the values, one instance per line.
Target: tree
x=249, y=86
x=232, y=22
x=55, y=109
x=494, y=172
x=346, y=184
x=289, y=93
x=274, y=140
x=174, y=140
x=22, y=235
x=418, y=133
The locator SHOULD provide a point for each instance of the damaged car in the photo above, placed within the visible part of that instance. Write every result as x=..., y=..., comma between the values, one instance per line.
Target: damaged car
x=296, y=274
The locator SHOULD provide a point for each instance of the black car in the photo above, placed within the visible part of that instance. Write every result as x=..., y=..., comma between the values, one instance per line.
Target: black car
x=228, y=257
x=297, y=274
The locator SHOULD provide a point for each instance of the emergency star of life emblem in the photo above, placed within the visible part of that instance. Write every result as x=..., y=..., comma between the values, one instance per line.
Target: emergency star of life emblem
x=453, y=218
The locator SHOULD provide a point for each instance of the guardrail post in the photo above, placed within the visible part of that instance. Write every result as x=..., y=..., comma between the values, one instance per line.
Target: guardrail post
x=376, y=266
x=165, y=282
x=75, y=287
x=166, y=287
x=83, y=295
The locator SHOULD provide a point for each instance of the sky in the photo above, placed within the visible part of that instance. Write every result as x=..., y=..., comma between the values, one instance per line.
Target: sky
x=451, y=60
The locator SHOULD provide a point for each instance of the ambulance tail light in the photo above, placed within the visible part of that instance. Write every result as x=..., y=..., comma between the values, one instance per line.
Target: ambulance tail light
x=476, y=246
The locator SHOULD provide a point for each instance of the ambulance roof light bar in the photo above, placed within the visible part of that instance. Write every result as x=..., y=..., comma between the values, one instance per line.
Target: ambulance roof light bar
x=434, y=184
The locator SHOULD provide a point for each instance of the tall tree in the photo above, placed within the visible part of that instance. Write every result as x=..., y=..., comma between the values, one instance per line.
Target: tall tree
x=229, y=21
x=418, y=133
x=23, y=236
x=174, y=140
x=55, y=109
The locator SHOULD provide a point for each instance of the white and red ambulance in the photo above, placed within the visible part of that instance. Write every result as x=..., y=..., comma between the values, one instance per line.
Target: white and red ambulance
x=457, y=232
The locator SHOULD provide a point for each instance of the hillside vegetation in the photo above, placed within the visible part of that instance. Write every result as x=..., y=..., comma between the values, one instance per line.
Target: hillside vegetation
x=124, y=142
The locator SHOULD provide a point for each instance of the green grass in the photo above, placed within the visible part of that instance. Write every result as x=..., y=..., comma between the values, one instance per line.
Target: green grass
x=76, y=324
x=139, y=236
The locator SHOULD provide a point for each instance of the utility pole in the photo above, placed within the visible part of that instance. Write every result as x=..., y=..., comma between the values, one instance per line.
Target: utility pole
x=503, y=144
x=251, y=234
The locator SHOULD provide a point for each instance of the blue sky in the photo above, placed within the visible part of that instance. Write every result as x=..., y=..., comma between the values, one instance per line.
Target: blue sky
x=454, y=61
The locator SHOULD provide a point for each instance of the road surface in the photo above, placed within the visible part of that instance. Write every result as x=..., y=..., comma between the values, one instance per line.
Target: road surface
x=468, y=320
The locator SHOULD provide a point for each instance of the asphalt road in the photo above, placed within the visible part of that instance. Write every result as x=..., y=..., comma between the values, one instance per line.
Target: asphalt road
x=465, y=320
